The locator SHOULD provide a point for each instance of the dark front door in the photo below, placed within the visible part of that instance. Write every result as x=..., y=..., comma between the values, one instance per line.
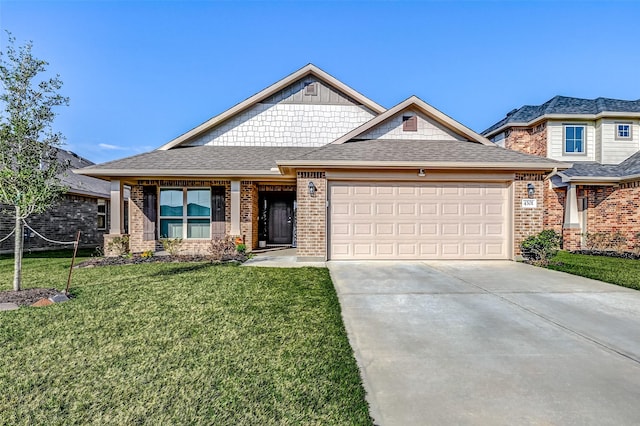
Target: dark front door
x=280, y=222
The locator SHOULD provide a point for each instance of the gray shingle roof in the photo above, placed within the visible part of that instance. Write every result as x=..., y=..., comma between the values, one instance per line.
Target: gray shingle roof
x=421, y=150
x=566, y=105
x=629, y=167
x=206, y=158
x=78, y=184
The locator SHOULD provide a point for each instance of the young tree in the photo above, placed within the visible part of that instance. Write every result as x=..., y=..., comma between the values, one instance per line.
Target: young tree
x=29, y=169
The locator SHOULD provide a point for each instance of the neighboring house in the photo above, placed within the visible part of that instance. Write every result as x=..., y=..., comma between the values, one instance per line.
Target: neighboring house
x=601, y=138
x=83, y=208
x=311, y=162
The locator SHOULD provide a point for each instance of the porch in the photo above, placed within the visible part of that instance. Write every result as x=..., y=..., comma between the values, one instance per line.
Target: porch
x=262, y=213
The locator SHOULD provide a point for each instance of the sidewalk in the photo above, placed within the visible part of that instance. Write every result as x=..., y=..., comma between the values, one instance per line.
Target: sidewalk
x=283, y=258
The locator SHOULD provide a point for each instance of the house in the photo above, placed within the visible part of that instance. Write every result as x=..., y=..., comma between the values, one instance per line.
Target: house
x=312, y=163
x=600, y=193
x=83, y=208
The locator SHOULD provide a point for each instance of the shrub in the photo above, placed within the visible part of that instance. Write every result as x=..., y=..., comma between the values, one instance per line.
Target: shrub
x=241, y=248
x=603, y=241
x=172, y=245
x=119, y=245
x=147, y=254
x=223, y=248
x=541, y=247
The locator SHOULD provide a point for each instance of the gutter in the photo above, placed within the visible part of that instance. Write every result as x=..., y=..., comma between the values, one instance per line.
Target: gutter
x=603, y=114
x=421, y=164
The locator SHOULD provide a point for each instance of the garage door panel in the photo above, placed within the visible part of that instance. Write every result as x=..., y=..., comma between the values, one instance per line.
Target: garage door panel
x=418, y=221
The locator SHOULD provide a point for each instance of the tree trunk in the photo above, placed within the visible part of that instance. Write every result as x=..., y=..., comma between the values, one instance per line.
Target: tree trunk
x=17, y=252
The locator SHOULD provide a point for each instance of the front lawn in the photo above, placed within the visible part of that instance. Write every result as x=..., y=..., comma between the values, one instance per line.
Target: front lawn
x=623, y=272
x=178, y=344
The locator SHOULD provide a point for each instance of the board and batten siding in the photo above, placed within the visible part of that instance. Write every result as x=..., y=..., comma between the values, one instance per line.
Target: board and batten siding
x=615, y=151
x=555, y=141
x=428, y=129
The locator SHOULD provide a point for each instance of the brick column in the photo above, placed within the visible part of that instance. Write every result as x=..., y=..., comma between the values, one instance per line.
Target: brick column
x=136, y=222
x=249, y=213
x=527, y=221
x=312, y=216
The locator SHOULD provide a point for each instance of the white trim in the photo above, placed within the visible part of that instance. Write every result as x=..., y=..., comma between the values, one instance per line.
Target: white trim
x=184, y=217
x=425, y=108
x=584, y=139
x=309, y=69
x=603, y=114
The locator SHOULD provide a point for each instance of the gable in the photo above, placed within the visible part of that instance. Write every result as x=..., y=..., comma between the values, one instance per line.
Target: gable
x=290, y=117
x=294, y=116
x=324, y=94
x=431, y=124
x=427, y=129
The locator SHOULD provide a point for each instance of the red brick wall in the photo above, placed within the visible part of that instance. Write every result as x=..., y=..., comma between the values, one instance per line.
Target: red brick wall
x=554, y=199
x=136, y=222
x=136, y=216
x=312, y=215
x=615, y=208
x=527, y=221
x=249, y=213
x=530, y=140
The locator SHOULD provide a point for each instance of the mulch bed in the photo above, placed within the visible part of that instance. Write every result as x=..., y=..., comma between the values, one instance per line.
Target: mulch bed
x=26, y=297
x=136, y=259
x=609, y=253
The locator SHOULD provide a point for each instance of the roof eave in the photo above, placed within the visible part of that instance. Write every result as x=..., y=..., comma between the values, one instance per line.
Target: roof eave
x=288, y=166
x=428, y=110
x=309, y=69
x=600, y=115
x=107, y=174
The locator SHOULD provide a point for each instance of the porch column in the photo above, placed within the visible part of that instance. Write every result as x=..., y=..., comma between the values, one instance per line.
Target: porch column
x=571, y=231
x=235, y=207
x=571, y=219
x=117, y=208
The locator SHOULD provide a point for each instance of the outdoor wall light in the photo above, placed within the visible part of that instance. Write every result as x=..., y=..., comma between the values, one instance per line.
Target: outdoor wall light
x=312, y=189
x=421, y=173
x=531, y=190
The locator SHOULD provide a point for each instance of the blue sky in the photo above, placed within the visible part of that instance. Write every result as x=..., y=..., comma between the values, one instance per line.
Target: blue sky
x=141, y=73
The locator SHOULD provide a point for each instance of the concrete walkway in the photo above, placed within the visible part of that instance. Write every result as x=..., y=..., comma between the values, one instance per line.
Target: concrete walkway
x=8, y=306
x=284, y=258
x=491, y=343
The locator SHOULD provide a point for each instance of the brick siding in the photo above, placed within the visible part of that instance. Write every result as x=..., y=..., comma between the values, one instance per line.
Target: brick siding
x=527, y=221
x=554, y=199
x=71, y=214
x=614, y=208
x=312, y=215
x=249, y=213
x=530, y=140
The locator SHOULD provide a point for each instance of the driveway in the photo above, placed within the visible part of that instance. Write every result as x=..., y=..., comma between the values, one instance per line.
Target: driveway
x=491, y=342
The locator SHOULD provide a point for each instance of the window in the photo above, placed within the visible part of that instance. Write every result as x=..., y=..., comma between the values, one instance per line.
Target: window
x=185, y=213
x=623, y=131
x=102, y=215
x=574, y=139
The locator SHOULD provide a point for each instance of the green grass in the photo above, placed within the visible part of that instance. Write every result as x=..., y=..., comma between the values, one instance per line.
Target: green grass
x=623, y=272
x=178, y=344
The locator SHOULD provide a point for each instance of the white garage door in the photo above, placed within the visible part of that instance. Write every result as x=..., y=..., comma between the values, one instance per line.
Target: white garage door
x=418, y=220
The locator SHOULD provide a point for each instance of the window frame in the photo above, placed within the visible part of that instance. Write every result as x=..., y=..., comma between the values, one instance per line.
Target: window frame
x=584, y=139
x=185, y=214
x=617, y=130
x=104, y=214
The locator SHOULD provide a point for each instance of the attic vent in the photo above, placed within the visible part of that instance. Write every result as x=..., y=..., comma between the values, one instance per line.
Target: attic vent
x=311, y=89
x=409, y=123
x=513, y=111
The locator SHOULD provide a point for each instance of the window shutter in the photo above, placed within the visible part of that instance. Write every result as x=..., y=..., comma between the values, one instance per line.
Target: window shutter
x=149, y=210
